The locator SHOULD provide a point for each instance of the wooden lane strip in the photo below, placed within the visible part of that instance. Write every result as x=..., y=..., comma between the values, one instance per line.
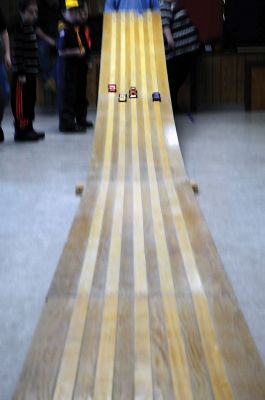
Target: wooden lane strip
x=219, y=379
x=143, y=373
x=123, y=379
x=68, y=369
x=177, y=356
x=105, y=364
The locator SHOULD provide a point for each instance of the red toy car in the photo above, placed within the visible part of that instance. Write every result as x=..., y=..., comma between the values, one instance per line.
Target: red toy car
x=133, y=92
x=112, y=88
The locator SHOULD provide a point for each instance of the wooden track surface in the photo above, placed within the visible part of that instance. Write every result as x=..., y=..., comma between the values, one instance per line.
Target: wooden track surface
x=140, y=307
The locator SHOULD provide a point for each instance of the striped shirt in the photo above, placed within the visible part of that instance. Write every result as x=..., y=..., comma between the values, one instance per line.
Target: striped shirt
x=185, y=35
x=24, y=49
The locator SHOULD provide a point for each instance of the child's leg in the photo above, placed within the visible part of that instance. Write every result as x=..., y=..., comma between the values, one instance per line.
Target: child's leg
x=23, y=98
x=18, y=91
x=30, y=99
x=4, y=94
x=81, y=101
x=2, y=106
x=16, y=96
x=66, y=85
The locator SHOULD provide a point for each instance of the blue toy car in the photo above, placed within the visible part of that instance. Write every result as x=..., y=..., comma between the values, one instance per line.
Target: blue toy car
x=156, y=96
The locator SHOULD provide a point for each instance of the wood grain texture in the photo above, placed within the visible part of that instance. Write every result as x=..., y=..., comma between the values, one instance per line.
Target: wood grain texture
x=140, y=306
x=258, y=88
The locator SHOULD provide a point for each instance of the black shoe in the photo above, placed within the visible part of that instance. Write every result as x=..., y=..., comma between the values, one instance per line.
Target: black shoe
x=72, y=129
x=41, y=135
x=86, y=124
x=2, y=137
x=26, y=136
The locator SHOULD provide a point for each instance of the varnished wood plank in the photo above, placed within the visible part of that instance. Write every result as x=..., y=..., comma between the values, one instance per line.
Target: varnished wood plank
x=84, y=386
x=143, y=387
x=258, y=88
x=240, y=78
x=40, y=372
x=123, y=379
x=199, y=376
x=217, y=79
x=238, y=349
x=228, y=79
x=105, y=366
x=67, y=275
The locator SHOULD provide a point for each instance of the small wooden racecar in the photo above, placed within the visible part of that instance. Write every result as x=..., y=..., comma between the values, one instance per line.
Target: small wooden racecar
x=122, y=97
x=133, y=92
x=156, y=96
x=112, y=88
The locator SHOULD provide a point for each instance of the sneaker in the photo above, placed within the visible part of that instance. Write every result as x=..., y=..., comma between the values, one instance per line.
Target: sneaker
x=26, y=136
x=2, y=137
x=72, y=129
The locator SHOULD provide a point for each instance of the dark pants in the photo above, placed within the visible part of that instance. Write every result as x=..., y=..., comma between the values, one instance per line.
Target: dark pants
x=82, y=103
x=23, y=100
x=4, y=90
x=71, y=90
x=178, y=70
x=2, y=108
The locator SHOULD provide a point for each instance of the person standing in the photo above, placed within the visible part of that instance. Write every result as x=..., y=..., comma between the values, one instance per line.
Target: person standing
x=24, y=72
x=182, y=45
x=5, y=62
x=84, y=64
x=71, y=53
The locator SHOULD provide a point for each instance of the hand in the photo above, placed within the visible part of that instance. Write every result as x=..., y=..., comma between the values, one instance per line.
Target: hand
x=51, y=41
x=7, y=61
x=169, y=37
x=170, y=42
x=22, y=79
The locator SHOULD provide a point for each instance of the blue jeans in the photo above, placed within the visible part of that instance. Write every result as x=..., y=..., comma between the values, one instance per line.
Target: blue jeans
x=4, y=89
x=47, y=61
